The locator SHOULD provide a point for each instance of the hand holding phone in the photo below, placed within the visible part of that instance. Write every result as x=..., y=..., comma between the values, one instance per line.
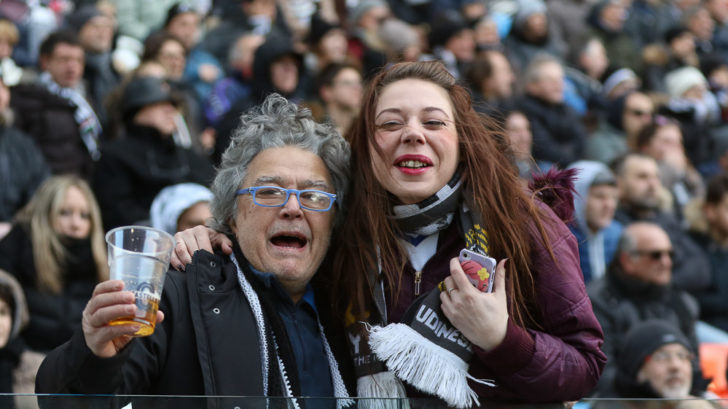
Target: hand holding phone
x=482, y=275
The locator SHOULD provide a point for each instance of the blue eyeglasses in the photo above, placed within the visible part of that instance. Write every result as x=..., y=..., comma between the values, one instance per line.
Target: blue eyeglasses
x=274, y=196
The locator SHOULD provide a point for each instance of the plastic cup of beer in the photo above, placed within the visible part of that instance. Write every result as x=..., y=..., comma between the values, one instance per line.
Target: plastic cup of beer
x=139, y=256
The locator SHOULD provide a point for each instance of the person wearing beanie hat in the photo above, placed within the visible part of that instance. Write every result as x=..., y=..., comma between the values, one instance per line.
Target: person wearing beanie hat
x=135, y=168
x=607, y=21
x=526, y=9
x=95, y=32
x=453, y=42
x=181, y=207
x=679, y=51
x=679, y=82
x=339, y=89
x=692, y=101
x=655, y=360
x=594, y=226
x=401, y=41
x=531, y=35
x=368, y=14
x=327, y=42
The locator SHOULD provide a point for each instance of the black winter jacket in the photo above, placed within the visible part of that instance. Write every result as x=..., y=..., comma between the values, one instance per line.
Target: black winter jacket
x=49, y=120
x=714, y=300
x=133, y=170
x=621, y=302
x=22, y=170
x=558, y=135
x=53, y=317
x=206, y=345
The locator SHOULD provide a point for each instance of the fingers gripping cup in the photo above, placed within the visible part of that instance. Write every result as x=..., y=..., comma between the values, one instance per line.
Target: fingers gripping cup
x=139, y=256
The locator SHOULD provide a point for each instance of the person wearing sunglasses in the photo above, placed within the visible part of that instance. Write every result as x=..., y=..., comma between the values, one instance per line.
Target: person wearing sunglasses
x=625, y=117
x=638, y=287
x=246, y=323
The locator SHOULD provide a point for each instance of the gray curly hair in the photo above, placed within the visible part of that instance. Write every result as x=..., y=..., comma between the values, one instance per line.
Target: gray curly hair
x=273, y=124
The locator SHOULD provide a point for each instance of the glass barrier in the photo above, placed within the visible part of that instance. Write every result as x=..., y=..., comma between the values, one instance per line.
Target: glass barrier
x=31, y=401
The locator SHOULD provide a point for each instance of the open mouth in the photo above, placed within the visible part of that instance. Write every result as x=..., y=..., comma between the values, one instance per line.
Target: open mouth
x=289, y=240
x=412, y=164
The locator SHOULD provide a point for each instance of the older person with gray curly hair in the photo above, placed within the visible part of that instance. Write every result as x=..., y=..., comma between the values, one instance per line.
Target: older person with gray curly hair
x=244, y=324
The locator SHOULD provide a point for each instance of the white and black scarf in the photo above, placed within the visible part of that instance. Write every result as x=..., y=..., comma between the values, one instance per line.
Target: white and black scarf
x=88, y=123
x=382, y=360
x=271, y=353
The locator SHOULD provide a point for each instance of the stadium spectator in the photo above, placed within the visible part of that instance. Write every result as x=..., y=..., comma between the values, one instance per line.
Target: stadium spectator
x=202, y=69
x=656, y=361
x=135, y=168
x=637, y=287
x=55, y=112
x=640, y=196
x=607, y=19
x=339, y=96
x=491, y=82
x=531, y=35
x=594, y=226
x=22, y=166
x=518, y=134
x=558, y=135
x=615, y=134
x=180, y=207
x=95, y=32
x=56, y=251
x=711, y=232
x=327, y=43
x=237, y=85
x=453, y=42
x=663, y=141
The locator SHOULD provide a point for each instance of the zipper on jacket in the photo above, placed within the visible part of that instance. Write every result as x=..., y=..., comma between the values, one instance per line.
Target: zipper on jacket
x=418, y=279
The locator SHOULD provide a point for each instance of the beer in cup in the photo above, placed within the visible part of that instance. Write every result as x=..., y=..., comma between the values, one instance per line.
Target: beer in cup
x=139, y=256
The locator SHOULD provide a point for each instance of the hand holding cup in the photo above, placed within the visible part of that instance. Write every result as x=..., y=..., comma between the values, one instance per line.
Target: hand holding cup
x=110, y=302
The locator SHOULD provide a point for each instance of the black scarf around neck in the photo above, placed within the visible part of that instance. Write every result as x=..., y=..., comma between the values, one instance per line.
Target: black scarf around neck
x=427, y=217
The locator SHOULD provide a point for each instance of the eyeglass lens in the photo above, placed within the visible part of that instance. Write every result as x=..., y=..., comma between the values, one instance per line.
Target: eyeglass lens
x=271, y=196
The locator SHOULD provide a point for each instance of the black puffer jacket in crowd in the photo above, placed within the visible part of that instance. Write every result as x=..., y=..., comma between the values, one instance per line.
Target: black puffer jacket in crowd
x=133, y=170
x=558, y=135
x=22, y=170
x=49, y=120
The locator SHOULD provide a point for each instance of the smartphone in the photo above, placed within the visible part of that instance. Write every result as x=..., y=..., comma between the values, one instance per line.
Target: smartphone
x=482, y=279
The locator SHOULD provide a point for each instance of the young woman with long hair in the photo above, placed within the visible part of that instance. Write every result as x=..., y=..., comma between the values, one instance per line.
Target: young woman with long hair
x=56, y=251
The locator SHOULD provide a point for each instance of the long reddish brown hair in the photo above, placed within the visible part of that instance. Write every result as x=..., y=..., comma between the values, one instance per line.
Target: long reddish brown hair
x=368, y=235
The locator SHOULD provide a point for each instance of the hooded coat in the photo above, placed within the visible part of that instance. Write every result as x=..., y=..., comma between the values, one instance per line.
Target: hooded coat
x=596, y=249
